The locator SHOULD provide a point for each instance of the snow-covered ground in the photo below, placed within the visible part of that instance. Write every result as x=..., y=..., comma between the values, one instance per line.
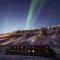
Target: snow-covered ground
x=52, y=39
x=18, y=57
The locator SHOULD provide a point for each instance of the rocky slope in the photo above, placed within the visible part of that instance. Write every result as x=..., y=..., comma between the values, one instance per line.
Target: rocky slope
x=43, y=36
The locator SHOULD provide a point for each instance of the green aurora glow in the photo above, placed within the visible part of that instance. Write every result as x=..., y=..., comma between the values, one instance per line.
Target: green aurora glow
x=31, y=13
x=35, y=7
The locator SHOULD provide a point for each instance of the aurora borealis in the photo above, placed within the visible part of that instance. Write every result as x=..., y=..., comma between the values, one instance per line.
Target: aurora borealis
x=33, y=6
x=28, y=14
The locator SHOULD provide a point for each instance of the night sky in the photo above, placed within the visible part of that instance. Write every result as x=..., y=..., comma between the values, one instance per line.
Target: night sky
x=28, y=14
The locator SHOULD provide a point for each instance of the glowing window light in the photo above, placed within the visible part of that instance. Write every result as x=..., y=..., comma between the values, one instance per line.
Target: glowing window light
x=28, y=50
x=21, y=47
x=33, y=51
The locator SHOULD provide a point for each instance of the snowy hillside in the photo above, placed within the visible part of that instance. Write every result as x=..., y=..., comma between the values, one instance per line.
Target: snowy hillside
x=42, y=36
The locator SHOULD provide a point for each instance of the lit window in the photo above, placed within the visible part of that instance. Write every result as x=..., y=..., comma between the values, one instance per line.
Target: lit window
x=21, y=47
x=33, y=51
x=28, y=50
